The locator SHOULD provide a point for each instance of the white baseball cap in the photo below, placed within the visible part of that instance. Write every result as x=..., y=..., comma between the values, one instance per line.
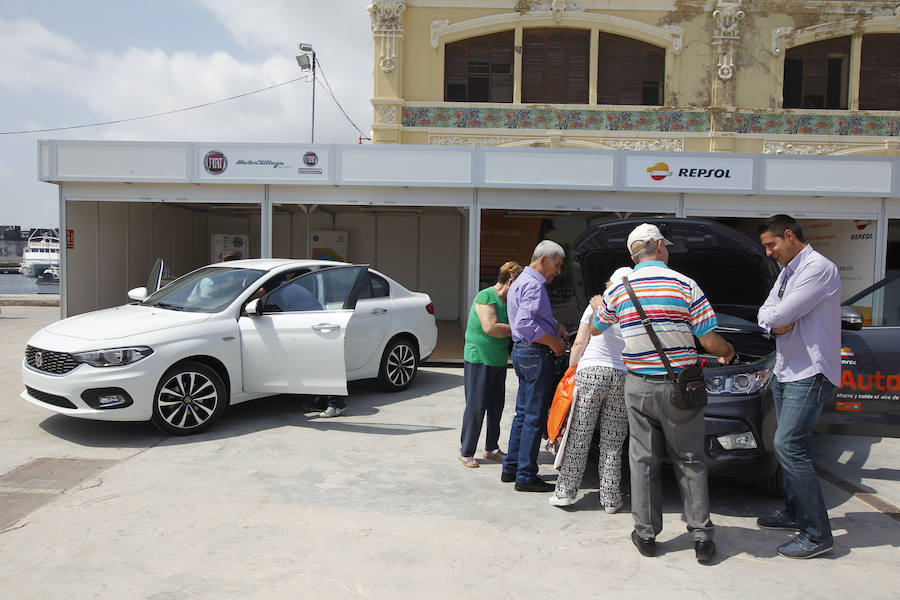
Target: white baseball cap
x=642, y=236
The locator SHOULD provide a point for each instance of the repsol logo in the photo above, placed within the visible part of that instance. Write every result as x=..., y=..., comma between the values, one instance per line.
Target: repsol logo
x=708, y=173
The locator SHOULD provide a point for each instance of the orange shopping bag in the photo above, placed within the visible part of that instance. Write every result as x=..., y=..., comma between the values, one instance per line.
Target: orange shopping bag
x=562, y=402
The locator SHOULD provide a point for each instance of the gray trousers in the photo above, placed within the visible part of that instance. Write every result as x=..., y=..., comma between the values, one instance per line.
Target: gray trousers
x=656, y=426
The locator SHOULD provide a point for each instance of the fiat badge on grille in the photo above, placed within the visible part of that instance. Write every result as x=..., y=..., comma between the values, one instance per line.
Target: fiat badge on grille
x=38, y=359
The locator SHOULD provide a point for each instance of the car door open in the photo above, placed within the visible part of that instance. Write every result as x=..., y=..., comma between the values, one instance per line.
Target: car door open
x=292, y=339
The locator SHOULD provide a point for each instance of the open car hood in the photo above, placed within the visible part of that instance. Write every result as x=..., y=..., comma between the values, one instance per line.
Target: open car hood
x=731, y=268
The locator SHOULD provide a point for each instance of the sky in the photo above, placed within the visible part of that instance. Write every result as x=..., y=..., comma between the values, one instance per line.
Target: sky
x=70, y=63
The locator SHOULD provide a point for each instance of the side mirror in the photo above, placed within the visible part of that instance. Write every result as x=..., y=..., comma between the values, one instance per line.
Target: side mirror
x=138, y=293
x=851, y=318
x=253, y=308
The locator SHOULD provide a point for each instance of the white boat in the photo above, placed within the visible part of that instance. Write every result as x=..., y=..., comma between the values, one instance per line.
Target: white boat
x=40, y=253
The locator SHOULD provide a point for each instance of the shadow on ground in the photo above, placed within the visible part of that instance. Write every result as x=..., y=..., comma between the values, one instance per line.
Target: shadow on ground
x=262, y=414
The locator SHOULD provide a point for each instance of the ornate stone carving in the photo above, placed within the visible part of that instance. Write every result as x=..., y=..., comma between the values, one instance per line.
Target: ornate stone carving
x=779, y=36
x=726, y=18
x=800, y=148
x=437, y=27
x=658, y=145
x=386, y=113
x=556, y=7
x=469, y=140
x=386, y=17
x=677, y=34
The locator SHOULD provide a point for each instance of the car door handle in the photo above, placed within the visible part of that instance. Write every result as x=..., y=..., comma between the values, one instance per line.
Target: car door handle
x=378, y=311
x=326, y=327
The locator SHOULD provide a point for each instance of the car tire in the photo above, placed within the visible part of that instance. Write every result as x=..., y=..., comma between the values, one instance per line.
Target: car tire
x=399, y=365
x=773, y=485
x=189, y=398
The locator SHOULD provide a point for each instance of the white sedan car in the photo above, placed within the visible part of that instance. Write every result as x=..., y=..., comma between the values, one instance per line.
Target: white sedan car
x=227, y=333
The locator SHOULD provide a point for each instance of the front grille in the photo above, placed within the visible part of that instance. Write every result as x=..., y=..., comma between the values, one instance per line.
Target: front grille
x=51, y=362
x=49, y=398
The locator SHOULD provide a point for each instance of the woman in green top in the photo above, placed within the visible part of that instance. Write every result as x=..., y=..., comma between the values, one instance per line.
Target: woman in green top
x=485, y=354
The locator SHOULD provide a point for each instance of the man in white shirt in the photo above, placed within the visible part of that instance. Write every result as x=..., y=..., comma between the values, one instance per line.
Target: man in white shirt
x=804, y=311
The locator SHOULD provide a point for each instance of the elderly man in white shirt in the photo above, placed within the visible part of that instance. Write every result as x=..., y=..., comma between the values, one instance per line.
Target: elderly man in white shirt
x=804, y=311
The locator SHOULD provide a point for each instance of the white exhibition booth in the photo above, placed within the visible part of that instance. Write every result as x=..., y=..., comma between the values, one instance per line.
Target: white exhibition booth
x=416, y=212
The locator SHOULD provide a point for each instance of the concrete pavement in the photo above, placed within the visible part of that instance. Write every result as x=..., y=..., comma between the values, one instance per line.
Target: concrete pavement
x=276, y=503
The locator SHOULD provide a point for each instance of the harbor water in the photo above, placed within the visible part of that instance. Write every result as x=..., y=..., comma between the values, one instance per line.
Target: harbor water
x=19, y=284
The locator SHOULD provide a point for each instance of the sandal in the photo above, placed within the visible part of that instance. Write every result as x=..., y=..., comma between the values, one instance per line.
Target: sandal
x=497, y=454
x=468, y=461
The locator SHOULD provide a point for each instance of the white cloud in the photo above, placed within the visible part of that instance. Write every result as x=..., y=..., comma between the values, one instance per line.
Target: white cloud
x=49, y=80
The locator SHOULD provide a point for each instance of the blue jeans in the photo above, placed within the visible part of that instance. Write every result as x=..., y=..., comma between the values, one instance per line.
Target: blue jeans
x=537, y=381
x=798, y=405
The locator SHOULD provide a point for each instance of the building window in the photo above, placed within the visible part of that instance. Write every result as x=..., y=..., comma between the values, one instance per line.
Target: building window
x=879, y=77
x=555, y=64
x=816, y=75
x=480, y=69
x=629, y=71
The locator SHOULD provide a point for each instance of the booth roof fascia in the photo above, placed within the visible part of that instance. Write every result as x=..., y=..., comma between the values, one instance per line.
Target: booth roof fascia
x=47, y=152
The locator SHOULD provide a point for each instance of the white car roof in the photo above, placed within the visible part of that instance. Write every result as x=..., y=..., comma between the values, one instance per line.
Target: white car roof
x=269, y=264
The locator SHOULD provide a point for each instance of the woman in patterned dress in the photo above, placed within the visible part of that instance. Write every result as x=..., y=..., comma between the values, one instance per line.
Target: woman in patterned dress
x=600, y=379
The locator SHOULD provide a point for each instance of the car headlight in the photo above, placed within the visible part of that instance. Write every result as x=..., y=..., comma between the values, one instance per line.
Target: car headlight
x=114, y=357
x=745, y=382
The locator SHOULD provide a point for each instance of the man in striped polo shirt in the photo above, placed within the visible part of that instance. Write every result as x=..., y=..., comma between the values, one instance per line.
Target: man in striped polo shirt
x=678, y=311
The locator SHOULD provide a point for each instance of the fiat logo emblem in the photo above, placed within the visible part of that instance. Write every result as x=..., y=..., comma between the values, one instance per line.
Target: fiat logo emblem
x=310, y=159
x=38, y=359
x=215, y=162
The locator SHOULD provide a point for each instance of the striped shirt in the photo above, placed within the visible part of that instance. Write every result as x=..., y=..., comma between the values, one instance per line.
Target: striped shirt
x=675, y=305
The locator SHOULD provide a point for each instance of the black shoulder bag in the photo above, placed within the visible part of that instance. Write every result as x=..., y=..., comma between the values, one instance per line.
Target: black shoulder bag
x=690, y=384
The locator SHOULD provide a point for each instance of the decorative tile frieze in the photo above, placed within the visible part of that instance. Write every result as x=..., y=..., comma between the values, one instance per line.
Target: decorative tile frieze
x=816, y=124
x=549, y=118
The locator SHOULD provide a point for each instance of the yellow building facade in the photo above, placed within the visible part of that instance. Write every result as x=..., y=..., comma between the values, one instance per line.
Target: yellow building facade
x=761, y=77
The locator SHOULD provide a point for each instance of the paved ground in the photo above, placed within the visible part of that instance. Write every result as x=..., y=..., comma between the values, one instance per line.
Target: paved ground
x=275, y=503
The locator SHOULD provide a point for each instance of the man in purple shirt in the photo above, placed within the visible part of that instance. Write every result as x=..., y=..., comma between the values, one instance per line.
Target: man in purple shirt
x=537, y=338
x=803, y=311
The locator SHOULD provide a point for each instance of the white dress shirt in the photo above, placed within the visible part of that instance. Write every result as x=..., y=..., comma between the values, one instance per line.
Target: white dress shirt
x=807, y=293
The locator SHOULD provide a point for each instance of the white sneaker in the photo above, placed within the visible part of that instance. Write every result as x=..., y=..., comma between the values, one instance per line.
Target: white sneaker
x=557, y=501
x=613, y=509
x=332, y=411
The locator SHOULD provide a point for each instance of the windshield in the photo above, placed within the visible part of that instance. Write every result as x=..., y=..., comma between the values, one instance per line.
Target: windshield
x=209, y=289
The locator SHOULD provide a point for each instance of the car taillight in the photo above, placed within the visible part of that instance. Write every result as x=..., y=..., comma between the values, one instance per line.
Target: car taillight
x=430, y=308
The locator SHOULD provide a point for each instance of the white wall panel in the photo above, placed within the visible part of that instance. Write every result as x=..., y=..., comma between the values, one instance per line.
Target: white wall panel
x=396, y=251
x=412, y=166
x=830, y=176
x=569, y=200
x=799, y=207
x=123, y=161
x=558, y=168
x=81, y=261
x=112, y=241
x=439, y=272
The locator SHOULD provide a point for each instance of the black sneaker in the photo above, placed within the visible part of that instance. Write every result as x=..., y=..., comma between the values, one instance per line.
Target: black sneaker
x=777, y=521
x=535, y=485
x=507, y=477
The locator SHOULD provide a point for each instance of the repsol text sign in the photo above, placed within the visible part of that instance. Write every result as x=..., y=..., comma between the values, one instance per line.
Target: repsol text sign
x=673, y=172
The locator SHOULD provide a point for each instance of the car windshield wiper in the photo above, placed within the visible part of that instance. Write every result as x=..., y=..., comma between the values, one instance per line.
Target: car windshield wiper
x=169, y=306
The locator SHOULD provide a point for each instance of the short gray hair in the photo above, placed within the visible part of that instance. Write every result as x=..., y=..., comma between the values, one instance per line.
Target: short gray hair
x=649, y=249
x=548, y=248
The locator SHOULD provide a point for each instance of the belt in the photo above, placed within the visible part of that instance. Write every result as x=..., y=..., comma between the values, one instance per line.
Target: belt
x=535, y=345
x=660, y=378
